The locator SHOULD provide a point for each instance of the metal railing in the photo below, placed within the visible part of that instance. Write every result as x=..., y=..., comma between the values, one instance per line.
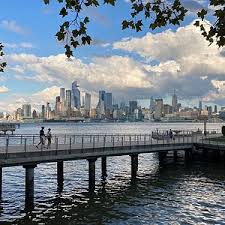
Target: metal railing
x=94, y=142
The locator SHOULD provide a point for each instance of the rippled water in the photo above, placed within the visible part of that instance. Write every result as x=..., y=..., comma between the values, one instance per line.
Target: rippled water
x=169, y=194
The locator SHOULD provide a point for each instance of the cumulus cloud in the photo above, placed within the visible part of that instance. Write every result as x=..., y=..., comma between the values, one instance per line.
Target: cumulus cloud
x=22, y=45
x=12, y=26
x=180, y=60
x=4, y=89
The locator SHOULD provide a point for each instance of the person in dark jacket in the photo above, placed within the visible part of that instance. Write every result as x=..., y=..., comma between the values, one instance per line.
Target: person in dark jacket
x=42, y=138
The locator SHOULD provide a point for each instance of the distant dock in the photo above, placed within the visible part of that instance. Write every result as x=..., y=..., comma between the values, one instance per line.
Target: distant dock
x=8, y=127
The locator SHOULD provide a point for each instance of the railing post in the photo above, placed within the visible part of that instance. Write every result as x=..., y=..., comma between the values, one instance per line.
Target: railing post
x=82, y=143
x=57, y=146
x=74, y=139
x=7, y=147
x=33, y=139
x=145, y=139
x=21, y=140
x=113, y=141
x=25, y=146
x=104, y=140
x=70, y=144
x=93, y=143
x=64, y=139
x=122, y=141
x=130, y=140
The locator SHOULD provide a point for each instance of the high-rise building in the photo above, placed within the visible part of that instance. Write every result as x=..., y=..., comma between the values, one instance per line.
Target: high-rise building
x=167, y=109
x=215, y=109
x=76, y=95
x=27, y=111
x=152, y=104
x=62, y=99
x=68, y=99
x=100, y=109
x=57, y=104
x=62, y=94
x=174, y=102
x=87, y=104
x=48, y=111
x=42, y=112
x=108, y=102
x=132, y=106
x=158, y=108
x=34, y=114
x=200, y=105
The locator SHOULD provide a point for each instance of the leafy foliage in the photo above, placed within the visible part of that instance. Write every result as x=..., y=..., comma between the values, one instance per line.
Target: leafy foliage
x=215, y=32
x=2, y=64
x=157, y=13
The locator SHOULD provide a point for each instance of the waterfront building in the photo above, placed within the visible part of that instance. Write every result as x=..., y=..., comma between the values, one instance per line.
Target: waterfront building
x=48, y=111
x=76, y=95
x=68, y=99
x=108, y=102
x=158, y=109
x=200, y=105
x=57, y=105
x=26, y=111
x=101, y=104
x=62, y=99
x=152, y=104
x=215, y=109
x=34, y=114
x=132, y=106
x=87, y=104
x=174, y=103
x=42, y=112
x=167, y=109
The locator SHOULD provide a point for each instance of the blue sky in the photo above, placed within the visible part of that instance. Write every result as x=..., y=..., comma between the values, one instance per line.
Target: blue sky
x=118, y=61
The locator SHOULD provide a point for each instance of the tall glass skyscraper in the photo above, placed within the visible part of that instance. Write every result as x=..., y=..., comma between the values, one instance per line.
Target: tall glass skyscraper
x=76, y=95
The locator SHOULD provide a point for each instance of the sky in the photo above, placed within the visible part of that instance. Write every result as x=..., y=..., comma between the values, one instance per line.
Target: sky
x=133, y=66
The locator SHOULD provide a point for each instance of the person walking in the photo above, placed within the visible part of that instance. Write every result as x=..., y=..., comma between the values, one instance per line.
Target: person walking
x=171, y=134
x=42, y=138
x=49, y=138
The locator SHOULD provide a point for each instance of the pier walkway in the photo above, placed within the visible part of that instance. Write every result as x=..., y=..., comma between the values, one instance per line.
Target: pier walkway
x=21, y=150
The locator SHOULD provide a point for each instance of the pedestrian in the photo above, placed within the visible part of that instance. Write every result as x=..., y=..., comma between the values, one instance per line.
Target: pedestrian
x=42, y=138
x=49, y=138
x=171, y=134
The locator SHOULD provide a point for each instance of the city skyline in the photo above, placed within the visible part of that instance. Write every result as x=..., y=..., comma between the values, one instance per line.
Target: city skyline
x=129, y=64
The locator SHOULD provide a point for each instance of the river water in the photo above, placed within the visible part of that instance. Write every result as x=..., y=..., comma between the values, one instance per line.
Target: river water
x=174, y=193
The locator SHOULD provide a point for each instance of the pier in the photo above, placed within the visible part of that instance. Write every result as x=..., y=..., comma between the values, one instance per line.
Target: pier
x=20, y=150
x=11, y=127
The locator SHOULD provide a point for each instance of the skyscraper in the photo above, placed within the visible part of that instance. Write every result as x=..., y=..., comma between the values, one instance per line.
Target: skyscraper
x=108, y=102
x=200, y=105
x=132, y=106
x=57, y=104
x=215, y=109
x=174, y=102
x=68, y=99
x=152, y=104
x=26, y=111
x=42, y=112
x=62, y=94
x=87, y=104
x=101, y=104
x=76, y=95
x=158, y=108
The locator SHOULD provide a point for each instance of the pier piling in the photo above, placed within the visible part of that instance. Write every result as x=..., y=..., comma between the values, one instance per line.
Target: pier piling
x=104, y=169
x=134, y=165
x=60, y=177
x=91, y=162
x=29, y=186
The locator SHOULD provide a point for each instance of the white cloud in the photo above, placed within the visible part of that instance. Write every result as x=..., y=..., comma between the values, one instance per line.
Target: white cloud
x=182, y=60
x=12, y=26
x=4, y=89
x=22, y=45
